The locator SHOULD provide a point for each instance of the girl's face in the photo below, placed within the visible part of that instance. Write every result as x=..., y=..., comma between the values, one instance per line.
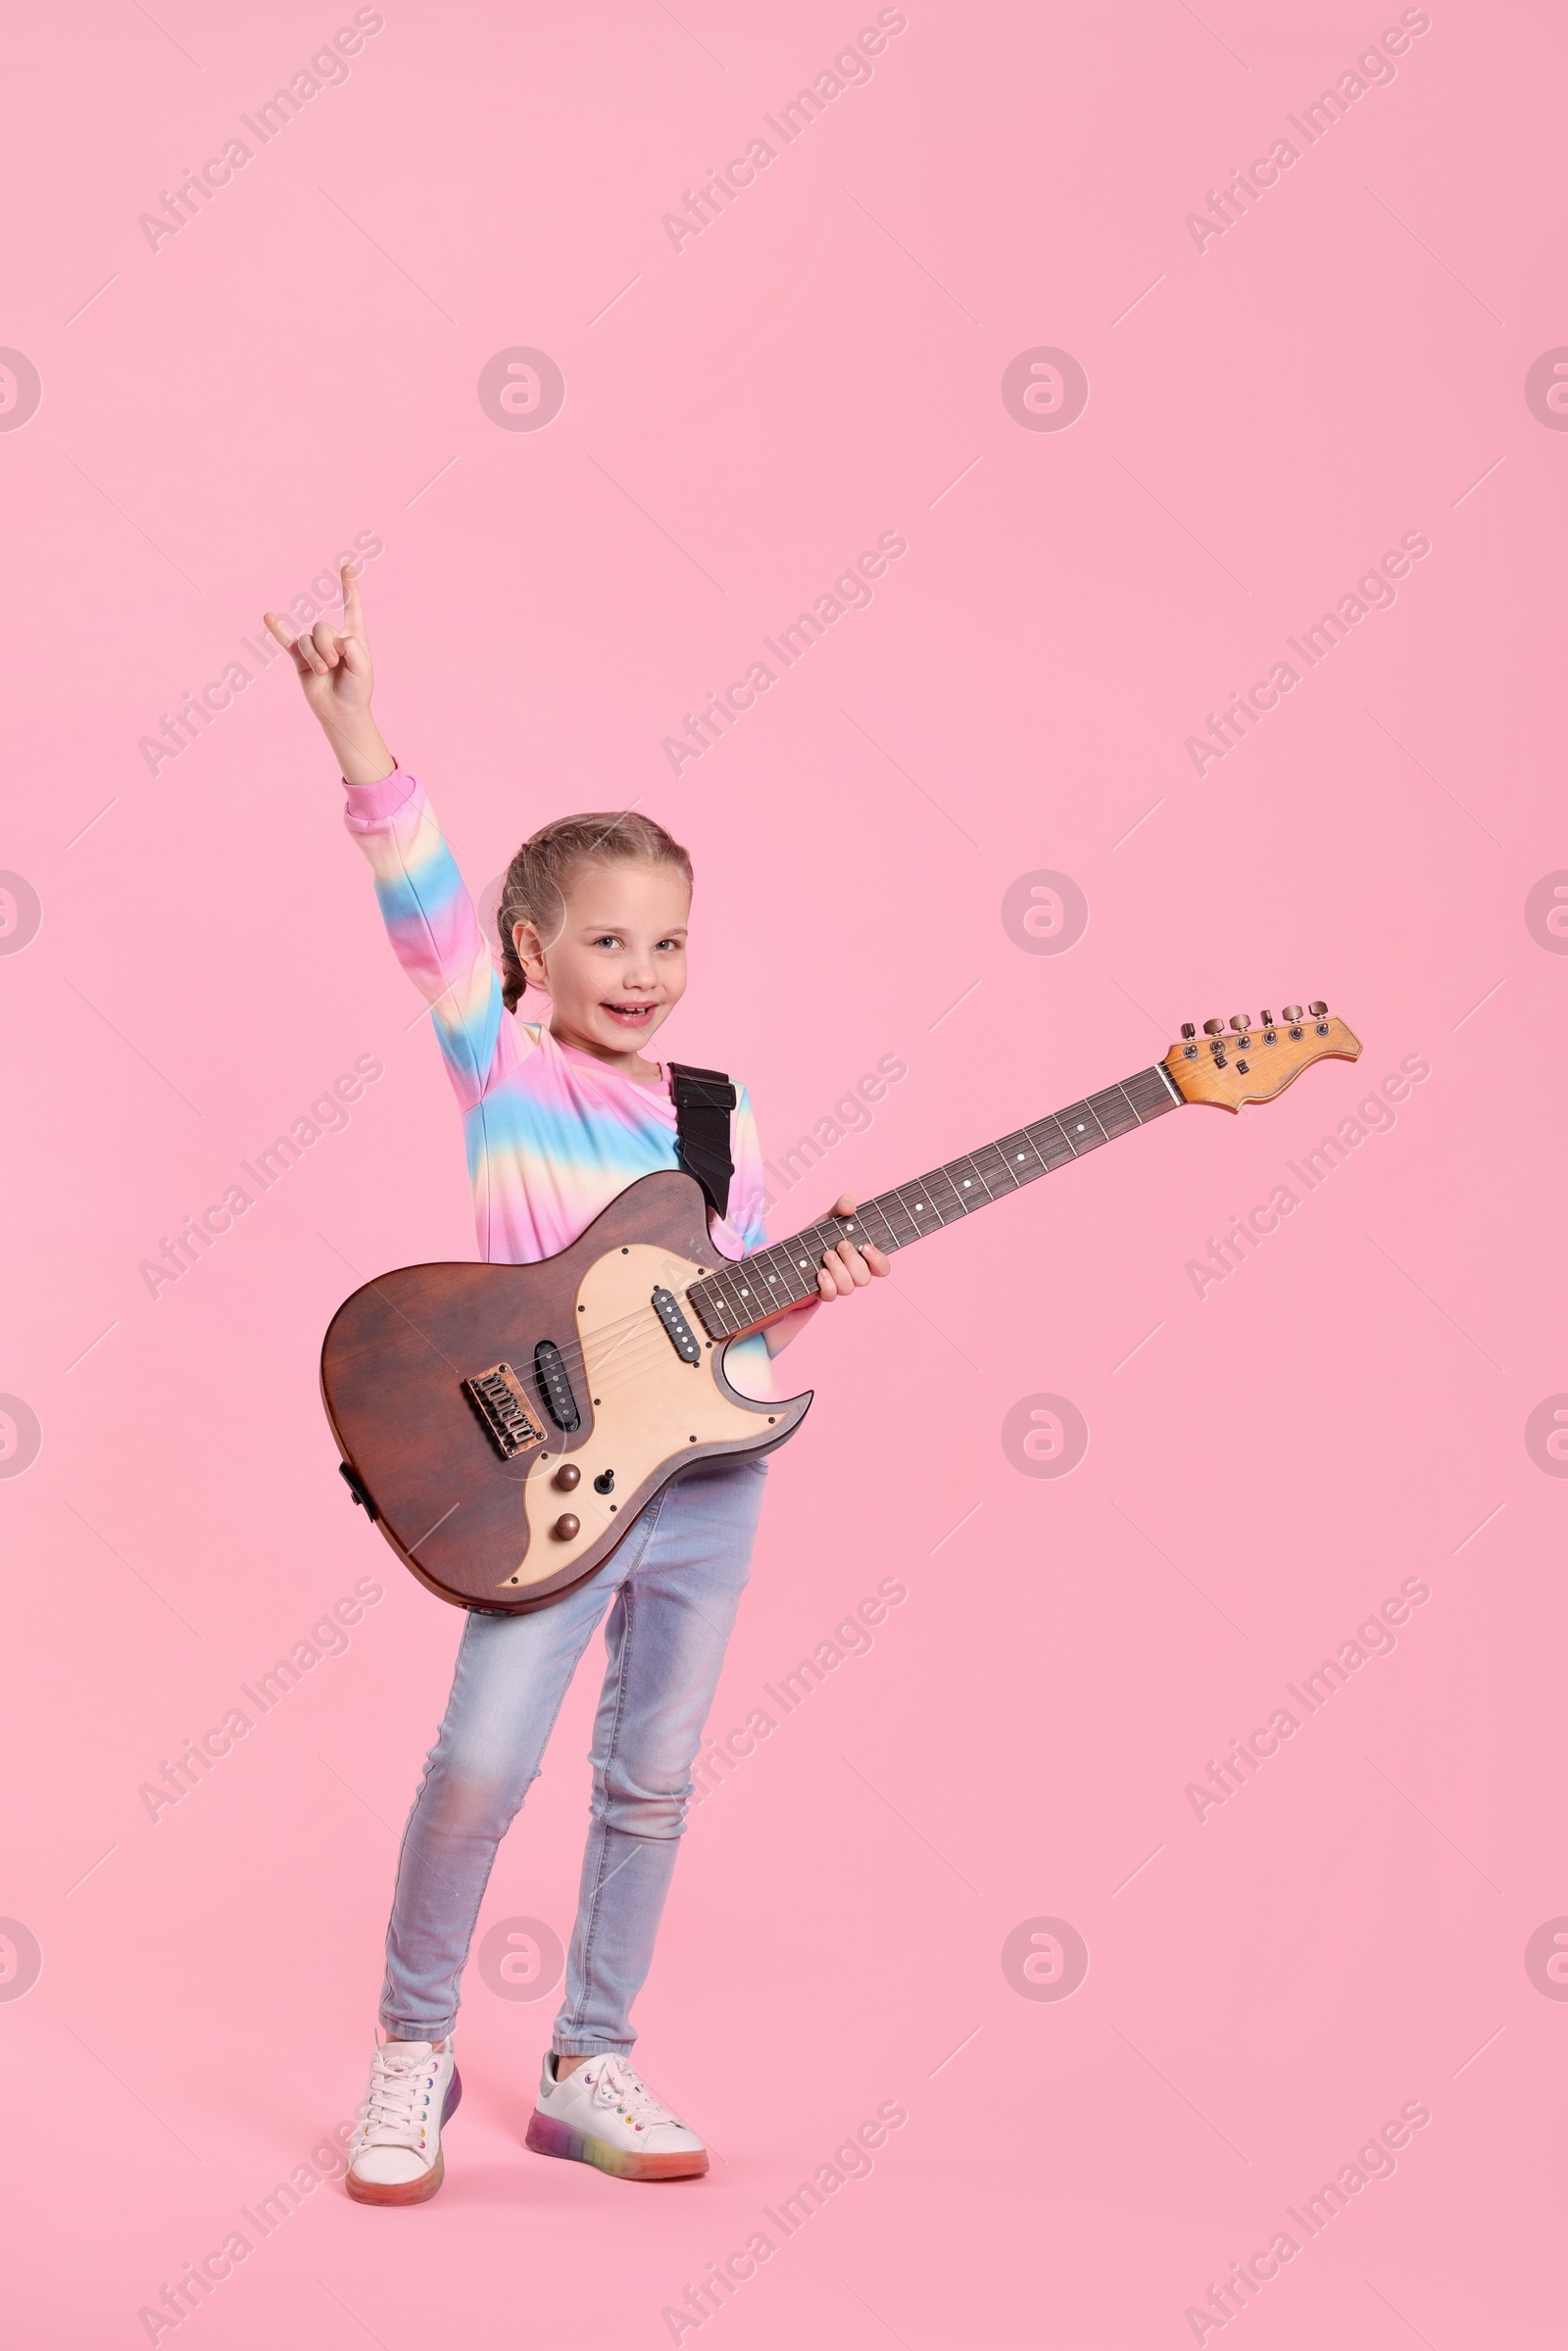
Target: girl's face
x=617, y=967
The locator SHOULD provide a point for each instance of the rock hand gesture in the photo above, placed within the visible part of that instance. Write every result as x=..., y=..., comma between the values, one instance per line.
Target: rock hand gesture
x=333, y=666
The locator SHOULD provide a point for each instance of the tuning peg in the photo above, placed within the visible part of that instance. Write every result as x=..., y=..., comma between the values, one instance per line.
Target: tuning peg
x=1293, y=1012
x=1241, y=1024
x=1187, y=1029
x=1213, y=1028
x=1317, y=1011
x=1267, y=1019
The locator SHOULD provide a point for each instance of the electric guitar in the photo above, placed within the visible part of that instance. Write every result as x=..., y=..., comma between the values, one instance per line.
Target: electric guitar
x=503, y=1425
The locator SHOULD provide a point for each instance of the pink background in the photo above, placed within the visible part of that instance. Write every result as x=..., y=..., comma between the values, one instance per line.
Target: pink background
x=300, y=364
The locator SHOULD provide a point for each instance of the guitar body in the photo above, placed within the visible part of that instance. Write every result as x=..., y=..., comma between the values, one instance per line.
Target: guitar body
x=467, y=1488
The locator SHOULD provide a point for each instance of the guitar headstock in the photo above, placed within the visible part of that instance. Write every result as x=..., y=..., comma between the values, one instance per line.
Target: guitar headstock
x=1252, y=1061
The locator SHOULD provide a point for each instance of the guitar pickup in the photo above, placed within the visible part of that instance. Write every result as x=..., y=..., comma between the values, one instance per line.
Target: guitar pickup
x=682, y=1338
x=497, y=1396
x=555, y=1386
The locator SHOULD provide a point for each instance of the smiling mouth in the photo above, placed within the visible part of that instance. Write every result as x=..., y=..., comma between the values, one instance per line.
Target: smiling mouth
x=630, y=1016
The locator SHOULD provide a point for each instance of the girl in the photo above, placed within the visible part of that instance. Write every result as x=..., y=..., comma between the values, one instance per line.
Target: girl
x=559, y=1116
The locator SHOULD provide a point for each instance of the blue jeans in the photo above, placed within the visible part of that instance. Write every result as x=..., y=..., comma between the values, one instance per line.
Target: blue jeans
x=675, y=1583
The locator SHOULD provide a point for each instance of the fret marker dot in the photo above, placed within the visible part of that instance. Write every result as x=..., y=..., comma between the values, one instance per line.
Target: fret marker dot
x=800, y=1262
x=1080, y=1128
x=966, y=1183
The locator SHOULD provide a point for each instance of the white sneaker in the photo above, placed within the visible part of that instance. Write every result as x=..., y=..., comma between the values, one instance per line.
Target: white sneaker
x=395, y=2154
x=605, y=2114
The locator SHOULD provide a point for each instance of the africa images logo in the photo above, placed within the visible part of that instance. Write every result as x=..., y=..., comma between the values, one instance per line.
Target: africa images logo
x=1045, y=1436
x=522, y=389
x=20, y=1435
x=522, y=1959
x=21, y=914
x=1045, y=912
x=1043, y=389
x=21, y=390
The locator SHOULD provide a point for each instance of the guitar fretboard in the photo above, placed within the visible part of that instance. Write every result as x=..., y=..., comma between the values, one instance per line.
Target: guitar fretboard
x=740, y=1296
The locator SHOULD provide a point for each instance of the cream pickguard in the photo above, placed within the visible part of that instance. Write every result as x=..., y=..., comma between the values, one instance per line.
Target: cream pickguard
x=642, y=1408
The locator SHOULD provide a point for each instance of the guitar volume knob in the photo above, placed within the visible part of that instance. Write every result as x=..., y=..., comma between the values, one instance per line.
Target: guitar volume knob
x=566, y=1527
x=567, y=1477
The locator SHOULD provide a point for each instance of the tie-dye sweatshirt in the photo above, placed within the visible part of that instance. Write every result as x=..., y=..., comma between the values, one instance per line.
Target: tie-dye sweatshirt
x=552, y=1134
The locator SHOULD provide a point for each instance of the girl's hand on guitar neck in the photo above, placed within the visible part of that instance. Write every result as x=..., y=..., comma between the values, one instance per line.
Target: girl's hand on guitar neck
x=842, y=1270
x=847, y=1267
x=334, y=666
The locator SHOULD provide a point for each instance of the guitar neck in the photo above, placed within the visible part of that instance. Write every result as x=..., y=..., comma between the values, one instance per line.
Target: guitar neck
x=742, y=1296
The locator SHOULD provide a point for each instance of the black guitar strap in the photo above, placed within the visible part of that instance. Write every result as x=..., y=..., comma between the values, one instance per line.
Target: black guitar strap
x=704, y=1100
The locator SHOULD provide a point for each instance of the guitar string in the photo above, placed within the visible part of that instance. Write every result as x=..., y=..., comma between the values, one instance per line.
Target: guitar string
x=635, y=1332
x=633, y=1349
x=573, y=1352
x=632, y=1352
x=577, y=1349
x=638, y=1329
x=625, y=1368
x=732, y=1265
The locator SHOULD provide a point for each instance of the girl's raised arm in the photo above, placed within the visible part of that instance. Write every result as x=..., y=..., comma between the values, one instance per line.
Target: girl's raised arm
x=428, y=914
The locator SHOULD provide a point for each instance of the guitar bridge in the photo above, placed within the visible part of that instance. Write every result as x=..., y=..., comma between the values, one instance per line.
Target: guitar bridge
x=497, y=1396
